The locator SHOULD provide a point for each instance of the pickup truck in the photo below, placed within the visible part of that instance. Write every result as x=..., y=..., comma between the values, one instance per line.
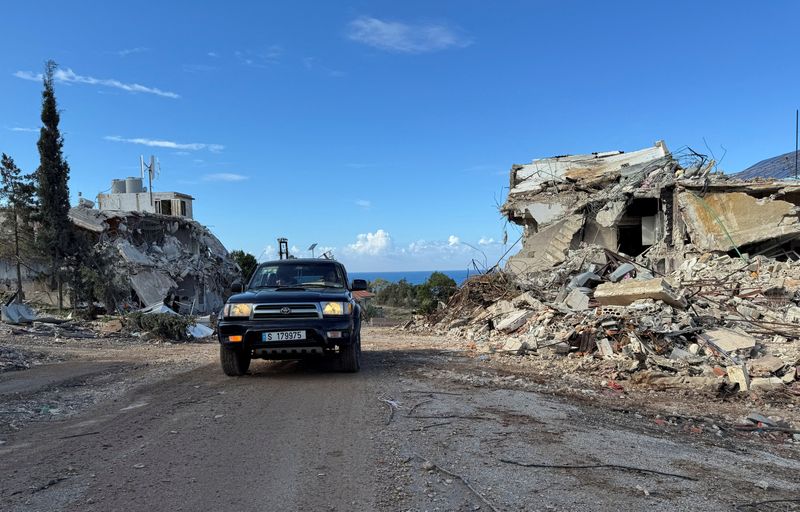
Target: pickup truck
x=292, y=309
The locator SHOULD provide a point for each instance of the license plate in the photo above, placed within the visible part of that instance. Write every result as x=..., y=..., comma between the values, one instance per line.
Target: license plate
x=283, y=336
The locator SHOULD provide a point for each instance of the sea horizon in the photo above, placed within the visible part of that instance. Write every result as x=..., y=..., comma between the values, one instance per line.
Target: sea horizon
x=412, y=276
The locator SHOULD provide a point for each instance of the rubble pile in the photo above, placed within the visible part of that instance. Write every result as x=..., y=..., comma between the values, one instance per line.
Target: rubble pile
x=162, y=259
x=13, y=359
x=650, y=267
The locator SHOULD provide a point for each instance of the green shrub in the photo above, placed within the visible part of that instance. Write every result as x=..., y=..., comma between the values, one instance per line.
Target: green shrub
x=164, y=325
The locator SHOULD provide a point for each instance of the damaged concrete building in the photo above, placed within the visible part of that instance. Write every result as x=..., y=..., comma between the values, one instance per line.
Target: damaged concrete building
x=645, y=267
x=163, y=258
x=130, y=195
x=651, y=204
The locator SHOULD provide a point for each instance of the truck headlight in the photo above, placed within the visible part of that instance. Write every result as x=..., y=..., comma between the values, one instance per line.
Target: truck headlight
x=336, y=308
x=237, y=310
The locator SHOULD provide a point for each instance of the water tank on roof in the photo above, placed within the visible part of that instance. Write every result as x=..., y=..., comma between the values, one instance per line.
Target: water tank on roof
x=117, y=186
x=133, y=185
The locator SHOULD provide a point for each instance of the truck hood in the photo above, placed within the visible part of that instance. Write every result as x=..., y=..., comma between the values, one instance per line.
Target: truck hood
x=287, y=296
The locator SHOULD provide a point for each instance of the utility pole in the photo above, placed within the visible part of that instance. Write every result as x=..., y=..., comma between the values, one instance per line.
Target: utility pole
x=150, y=177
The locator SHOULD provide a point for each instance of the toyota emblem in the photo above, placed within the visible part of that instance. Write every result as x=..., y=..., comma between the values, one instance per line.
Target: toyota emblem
x=286, y=311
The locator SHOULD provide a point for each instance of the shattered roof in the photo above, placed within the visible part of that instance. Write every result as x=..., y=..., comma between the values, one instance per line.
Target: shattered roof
x=779, y=167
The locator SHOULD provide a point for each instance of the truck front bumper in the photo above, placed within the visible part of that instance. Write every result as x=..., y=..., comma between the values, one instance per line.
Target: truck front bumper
x=322, y=335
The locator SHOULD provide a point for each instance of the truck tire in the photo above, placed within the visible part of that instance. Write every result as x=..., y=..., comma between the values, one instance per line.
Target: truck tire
x=350, y=356
x=234, y=362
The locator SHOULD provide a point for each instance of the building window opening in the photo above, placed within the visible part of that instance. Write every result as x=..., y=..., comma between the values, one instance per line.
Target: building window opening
x=166, y=207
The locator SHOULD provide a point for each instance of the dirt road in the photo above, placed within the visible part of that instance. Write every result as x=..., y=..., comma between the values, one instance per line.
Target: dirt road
x=417, y=429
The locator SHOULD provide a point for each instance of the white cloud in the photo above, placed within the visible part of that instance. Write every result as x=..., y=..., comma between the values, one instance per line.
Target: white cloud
x=486, y=241
x=70, y=77
x=453, y=240
x=269, y=253
x=260, y=59
x=363, y=203
x=399, y=37
x=213, y=54
x=157, y=143
x=225, y=176
x=130, y=51
x=22, y=129
x=372, y=244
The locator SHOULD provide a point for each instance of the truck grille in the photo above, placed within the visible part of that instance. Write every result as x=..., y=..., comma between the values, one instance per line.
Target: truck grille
x=285, y=311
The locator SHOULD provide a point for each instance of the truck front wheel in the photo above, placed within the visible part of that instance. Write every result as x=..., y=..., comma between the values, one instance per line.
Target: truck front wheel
x=350, y=356
x=234, y=362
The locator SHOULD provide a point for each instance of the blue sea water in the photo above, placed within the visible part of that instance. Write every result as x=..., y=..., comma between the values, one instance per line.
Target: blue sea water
x=413, y=277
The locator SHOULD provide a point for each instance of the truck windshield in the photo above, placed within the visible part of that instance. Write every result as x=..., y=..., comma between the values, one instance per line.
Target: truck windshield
x=295, y=274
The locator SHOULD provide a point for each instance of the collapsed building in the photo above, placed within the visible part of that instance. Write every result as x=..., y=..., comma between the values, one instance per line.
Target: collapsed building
x=164, y=259
x=646, y=203
x=651, y=261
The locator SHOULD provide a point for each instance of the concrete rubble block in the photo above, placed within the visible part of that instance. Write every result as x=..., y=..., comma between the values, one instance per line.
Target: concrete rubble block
x=764, y=366
x=730, y=340
x=527, y=300
x=622, y=271
x=499, y=308
x=739, y=375
x=604, y=348
x=793, y=315
x=628, y=292
x=790, y=375
x=611, y=213
x=766, y=383
x=513, y=321
x=131, y=254
x=515, y=345
x=577, y=300
x=152, y=286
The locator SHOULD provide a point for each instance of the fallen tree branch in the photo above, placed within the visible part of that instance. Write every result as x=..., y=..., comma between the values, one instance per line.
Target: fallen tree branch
x=454, y=475
x=446, y=416
x=414, y=407
x=423, y=427
x=80, y=435
x=757, y=503
x=596, y=466
x=426, y=392
x=392, y=407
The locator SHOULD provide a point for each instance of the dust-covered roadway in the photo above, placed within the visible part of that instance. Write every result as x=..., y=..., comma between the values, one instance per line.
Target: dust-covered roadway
x=295, y=436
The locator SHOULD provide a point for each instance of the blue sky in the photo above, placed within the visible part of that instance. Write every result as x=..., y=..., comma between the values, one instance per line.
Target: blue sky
x=385, y=130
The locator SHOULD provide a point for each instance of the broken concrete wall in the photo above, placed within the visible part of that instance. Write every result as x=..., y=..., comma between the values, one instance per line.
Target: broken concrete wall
x=721, y=221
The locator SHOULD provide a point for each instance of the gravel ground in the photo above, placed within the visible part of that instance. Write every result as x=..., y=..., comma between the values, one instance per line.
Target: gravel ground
x=423, y=427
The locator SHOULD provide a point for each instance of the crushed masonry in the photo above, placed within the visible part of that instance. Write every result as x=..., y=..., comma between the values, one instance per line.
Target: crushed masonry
x=164, y=259
x=672, y=274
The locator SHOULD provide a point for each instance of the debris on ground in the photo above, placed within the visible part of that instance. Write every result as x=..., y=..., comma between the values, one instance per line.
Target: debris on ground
x=647, y=269
x=13, y=359
x=161, y=321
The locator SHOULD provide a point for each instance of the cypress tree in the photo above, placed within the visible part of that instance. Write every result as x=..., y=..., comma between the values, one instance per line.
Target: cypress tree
x=55, y=232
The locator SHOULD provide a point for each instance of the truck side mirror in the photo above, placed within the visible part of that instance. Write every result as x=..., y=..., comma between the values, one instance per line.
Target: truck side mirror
x=358, y=285
x=237, y=287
